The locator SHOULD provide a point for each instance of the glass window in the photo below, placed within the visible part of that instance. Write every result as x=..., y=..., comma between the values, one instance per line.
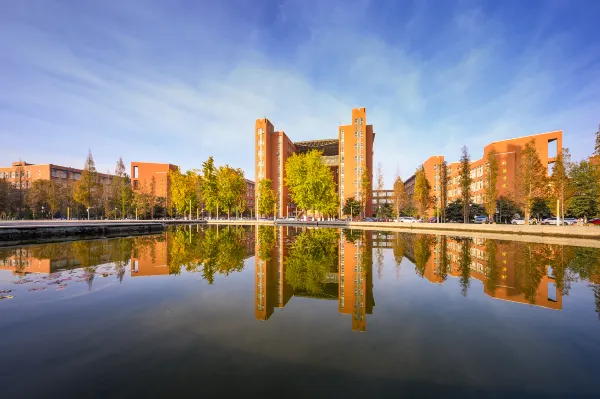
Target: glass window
x=135, y=172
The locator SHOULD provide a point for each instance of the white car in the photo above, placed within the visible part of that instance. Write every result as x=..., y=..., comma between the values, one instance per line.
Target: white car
x=407, y=219
x=518, y=221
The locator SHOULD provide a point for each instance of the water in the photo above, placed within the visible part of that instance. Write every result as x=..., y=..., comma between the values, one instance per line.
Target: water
x=201, y=311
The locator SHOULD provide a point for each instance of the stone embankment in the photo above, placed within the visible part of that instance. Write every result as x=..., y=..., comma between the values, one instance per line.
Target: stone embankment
x=13, y=232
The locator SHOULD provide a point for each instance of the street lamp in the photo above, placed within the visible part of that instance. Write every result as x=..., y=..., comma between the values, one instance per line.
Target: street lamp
x=43, y=211
x=115, y=213
x=88, y=211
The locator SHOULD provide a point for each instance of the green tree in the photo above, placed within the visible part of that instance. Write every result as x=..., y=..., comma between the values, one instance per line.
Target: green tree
x=310, y=182
x=88, y=189
x=266, y=242
x=422, y=195
x=464, y=176
x=385, y=211
x=507, y=209
x=208, y=185
x=585, y=185
x=5, y=198
x=352, y=207
x=560, y=181
x=540, y=209
x=22, y=182
x=490, y=182
x=183, y=190
x=531, y=179
x=121, y=189
x=266, y=197
x=47, y=194
x=400, y=197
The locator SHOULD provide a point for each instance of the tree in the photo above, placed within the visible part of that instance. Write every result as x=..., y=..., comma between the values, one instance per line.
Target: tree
x=597, y=146
x=507, y=209
x=352, y=207
x=585, y=185
x=310, y=182
x=88, y=189
x=490, y=180
x=531, y=179
x=385, y=211
x=444, y=178
x=379, y=185
x=464, y=176
x=121, y=189
x=5, y=197
x=559, y=181
x=208, y=185
x=152, y=196
x=464, y=265
x=540, y=209
x=400, y=198
x=266, y=197
x=366, y=190
x=231, y=187
x=22, y=182
x=183, y=190
x=422, y=196
x=141, y=200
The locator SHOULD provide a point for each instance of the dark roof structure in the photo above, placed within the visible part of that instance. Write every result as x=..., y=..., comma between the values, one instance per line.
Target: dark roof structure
x=328, y=147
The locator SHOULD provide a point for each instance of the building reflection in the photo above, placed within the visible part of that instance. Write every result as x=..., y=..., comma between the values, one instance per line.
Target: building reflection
x=350, y=284
x=510, y=271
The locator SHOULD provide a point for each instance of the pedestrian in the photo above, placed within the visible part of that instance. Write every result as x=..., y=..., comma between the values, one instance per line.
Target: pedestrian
x=584, y=220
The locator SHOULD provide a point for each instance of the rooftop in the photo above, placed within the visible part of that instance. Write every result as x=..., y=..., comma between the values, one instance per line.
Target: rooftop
x=328, y=146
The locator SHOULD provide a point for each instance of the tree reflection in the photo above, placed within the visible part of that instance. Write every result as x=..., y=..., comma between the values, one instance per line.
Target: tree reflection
x=444, y=259
x=530, y=262
x=464, y=265
x=312, y=256
x=492, y=270
x=422, y=243
x=266, y=242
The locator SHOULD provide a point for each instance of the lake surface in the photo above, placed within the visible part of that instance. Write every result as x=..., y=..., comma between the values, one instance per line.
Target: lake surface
x=206, y=311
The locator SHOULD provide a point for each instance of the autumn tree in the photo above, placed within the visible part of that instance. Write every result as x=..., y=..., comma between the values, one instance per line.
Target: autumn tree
x=310, y=182
x=422, y=195
x=559, y=181
x=400, y=197
x=490, y=182
x=531, y=179
x=464, y=176
x=183, y=190
x=597, y=145
x=231, y=187
x=379, y=186
x=366, y=190
x=266, y=197
x=21, y=180
x=443, y=179
x=88, y=189
x=208, y=185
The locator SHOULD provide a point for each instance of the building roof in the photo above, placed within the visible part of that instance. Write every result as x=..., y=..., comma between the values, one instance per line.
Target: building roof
x=328, y=146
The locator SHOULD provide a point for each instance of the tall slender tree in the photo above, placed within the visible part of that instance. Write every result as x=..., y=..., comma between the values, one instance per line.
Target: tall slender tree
x=597, y=146
x=531, y=179
x=490, y=180
x=5, y=197
x=422, y=196
x=444, y=179
x=366, y=190
x=379, y=186
x=88, y=189
x=22, y=182
x=464, y=175
x=208, y=185
x=559, y=181
x=231, y=187
x=400, y=197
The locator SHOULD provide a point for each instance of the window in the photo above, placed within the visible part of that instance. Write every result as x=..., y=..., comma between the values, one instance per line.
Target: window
x=135, y=172
x=135, y=184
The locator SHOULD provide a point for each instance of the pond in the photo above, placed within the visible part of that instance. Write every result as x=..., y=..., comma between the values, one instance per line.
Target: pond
x=208, y=311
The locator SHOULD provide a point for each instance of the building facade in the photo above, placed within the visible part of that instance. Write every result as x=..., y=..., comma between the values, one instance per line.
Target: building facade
x=347, y=156
x=142, y=174
x=249, y=196
x=24, y=174
x=508, y=155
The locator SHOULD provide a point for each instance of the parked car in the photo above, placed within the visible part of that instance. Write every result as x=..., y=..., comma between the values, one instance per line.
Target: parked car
x=518, y=221
x=407, y=219
x=594, y=221
x=432, y=220
x=570, y=221
x=480, y=219
x=566, y=222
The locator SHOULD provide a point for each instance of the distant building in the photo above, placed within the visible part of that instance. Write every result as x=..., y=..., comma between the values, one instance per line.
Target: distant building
x=143, y=172
x=250, y=194
x=508, y=155
x=348, y=156
x=32, y=172
x=382, y=197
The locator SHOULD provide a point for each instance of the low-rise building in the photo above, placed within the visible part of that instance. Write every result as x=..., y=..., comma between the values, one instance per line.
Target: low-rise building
x=142, y=174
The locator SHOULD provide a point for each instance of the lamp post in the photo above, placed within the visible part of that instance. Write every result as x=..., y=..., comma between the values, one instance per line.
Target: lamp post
x=88, y=211
x=115, y=213
x=43, y=211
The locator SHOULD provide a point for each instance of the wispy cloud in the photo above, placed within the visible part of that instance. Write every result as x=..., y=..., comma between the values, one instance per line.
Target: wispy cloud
x=164, y=82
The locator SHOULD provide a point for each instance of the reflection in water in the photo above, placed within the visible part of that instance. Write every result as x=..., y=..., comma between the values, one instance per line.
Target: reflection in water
x=321, y=264
x=324, y=264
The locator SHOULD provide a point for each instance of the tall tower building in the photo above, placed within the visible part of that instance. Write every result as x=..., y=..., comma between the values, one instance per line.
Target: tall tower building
x=355, y=158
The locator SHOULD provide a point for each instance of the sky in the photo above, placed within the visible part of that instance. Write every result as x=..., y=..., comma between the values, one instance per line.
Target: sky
x=178, y=81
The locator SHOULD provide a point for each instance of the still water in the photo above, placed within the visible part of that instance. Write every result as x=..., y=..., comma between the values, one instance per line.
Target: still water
x=207, y=311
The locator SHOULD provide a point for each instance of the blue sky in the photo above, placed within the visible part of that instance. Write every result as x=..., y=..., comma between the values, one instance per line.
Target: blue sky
x=177, y=81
